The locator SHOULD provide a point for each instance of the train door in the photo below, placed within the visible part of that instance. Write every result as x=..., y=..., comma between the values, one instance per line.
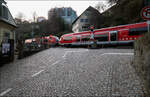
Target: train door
x=113, y=36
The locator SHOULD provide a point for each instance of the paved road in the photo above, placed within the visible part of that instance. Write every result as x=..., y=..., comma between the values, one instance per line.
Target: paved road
x=72, y=72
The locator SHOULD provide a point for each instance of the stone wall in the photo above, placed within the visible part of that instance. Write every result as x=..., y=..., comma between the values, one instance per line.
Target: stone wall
x=142, y=61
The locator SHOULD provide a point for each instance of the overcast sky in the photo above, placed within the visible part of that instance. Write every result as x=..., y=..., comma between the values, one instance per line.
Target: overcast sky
x=42, y=7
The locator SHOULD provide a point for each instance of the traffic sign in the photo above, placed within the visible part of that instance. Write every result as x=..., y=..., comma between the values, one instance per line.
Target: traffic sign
x=146, y=13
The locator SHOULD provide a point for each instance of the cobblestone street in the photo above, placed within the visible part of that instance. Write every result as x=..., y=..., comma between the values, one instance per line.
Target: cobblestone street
x=72, y=72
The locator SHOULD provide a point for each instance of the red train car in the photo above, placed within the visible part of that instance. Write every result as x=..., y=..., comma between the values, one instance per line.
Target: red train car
x=48, y=40
x=37, y=44
x=123, y=34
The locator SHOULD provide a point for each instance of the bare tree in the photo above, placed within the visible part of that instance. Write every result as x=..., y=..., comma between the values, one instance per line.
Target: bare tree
x=111, y=2
x=20, y=17
x=34, y=16
x=101, y=7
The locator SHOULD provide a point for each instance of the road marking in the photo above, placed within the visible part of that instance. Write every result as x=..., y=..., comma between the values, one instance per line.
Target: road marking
x=5, y=92
x=117, y=54
x=65, y=54
x=73, y=52
x=37, y=73
x=55, y=63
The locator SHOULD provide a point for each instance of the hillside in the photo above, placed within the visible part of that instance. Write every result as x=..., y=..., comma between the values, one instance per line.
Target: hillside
x=125, y=12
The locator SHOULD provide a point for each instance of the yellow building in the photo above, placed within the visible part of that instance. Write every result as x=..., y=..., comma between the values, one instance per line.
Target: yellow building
x=7, y=34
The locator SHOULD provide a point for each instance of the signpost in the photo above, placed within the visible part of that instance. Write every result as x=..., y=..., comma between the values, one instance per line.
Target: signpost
x=146, y=15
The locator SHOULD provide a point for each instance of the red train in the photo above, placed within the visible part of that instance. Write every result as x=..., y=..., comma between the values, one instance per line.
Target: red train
x=124, y=34
x=37, y=44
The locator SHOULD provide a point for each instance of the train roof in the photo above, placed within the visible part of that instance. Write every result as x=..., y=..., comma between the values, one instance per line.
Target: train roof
x=128, y=26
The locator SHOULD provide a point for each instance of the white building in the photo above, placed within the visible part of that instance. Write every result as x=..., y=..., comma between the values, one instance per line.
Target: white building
x=7, y=33
x=89, y=17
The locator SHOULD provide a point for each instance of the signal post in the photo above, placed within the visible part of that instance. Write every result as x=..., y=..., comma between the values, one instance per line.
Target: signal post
x=93, y=44
x=145, y=14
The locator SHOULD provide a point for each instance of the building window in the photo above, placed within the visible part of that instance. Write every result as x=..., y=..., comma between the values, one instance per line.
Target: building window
x=84, y=27
x=62, y=12
x=6, y=36
x=86, y=20
x=81, y=20
x=86, y=13
x=5, y=12
x=69, y=12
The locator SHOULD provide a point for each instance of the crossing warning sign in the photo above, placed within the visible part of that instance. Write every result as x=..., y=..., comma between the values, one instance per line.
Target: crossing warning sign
x=146, y=13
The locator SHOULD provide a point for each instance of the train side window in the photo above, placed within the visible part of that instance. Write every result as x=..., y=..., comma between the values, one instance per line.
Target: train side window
x=101, y=37
x=68, y=38
x=78, y=38
x=86, y=38
x=137, y=31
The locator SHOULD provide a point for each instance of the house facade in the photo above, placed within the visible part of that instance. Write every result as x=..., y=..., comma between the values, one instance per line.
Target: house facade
x=89, y=17
x=7, y=34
